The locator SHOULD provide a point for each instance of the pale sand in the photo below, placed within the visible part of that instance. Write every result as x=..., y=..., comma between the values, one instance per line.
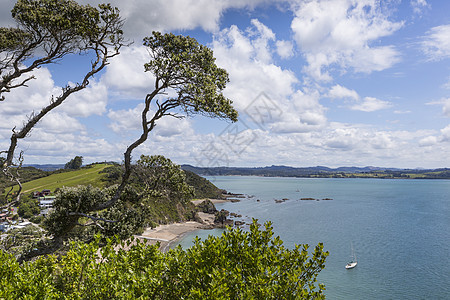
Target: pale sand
x=167, y=234
x=197, y=202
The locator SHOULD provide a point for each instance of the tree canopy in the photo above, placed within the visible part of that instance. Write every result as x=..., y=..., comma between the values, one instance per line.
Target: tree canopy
x=182, y=64
x=47, y=31
x=75, y=163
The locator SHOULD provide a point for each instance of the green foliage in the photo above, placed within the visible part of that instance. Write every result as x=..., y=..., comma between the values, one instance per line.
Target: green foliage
x=203, y=188
x=11, y=38
x=182, y=64
x=236, y=265
x=64, y=18
x=248, y=265
x=28, y=208
x=36, y=219
x=166, y=194
x=21, y=241
x=75, y=163
x=77, y=200
x=113, y=174
x=161, y=178
x=46, y=23
x=130, y=216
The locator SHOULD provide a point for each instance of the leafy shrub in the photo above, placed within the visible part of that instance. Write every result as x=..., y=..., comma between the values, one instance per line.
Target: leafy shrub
x=28, y=208
x=236, y=265
x=36, y=219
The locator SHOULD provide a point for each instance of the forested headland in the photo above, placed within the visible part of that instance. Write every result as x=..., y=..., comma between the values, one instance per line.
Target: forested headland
x=324, y=172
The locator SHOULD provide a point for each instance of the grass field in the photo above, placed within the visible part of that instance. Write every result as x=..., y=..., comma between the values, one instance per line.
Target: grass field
x=83, y=176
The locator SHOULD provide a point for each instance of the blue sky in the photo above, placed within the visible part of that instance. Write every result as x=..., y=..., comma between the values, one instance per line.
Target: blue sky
x=334, y=83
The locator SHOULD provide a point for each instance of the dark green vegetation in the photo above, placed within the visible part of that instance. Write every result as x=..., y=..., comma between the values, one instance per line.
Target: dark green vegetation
x=28, y=208
x=203, y=188
x=237, y=265
x=324, y=172
x=75, y=163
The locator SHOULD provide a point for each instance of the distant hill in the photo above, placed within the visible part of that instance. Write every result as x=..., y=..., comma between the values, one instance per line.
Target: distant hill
x=46, y=167
x=323, y=172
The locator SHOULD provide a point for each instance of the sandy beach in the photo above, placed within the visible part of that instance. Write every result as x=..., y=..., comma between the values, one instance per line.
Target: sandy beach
x=169, y=233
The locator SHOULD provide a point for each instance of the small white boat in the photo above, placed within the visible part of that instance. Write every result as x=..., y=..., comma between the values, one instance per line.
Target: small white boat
x=351, y=265
x=353, y=262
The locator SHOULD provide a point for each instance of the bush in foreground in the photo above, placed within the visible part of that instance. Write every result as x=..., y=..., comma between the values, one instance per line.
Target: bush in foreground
x=236, y=265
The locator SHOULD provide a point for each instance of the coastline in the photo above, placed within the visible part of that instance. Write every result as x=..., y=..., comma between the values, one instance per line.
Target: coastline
x=167, y=234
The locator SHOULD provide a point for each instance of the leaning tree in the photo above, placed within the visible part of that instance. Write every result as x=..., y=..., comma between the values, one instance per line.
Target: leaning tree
x=186, y=81
x=187, y=70
x=46, y=31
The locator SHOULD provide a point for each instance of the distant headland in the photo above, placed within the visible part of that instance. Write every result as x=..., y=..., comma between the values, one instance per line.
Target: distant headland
x=306, y=172
x=323, y=172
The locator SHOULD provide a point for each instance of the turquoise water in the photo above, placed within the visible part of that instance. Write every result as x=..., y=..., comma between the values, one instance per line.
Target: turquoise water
x=400, y=230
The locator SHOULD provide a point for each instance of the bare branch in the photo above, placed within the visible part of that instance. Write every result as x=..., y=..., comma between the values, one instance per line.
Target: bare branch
x=91, y=224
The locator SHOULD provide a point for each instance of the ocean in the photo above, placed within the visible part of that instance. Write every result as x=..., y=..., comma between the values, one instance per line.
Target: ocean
x=399, y=229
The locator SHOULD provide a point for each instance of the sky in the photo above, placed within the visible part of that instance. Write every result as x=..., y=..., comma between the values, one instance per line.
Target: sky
x=316, y=82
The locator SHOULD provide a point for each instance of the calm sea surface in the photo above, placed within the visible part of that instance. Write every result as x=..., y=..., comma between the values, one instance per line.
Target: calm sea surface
x=400, y=230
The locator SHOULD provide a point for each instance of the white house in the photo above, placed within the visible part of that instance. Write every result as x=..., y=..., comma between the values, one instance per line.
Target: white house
x=46, y=201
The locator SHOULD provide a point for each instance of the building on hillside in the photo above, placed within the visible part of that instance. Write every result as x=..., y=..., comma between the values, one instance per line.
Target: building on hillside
x=21, y=225
x=4, y=226
x=44, y=212
x=5, y=222
x=44, y=193
x=46, y=201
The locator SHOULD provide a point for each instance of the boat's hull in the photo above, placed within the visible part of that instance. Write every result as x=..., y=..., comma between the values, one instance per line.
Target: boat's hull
x=351, y=265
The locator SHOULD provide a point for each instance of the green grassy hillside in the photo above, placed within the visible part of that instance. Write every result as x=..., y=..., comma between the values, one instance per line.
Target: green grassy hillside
x=87, y=175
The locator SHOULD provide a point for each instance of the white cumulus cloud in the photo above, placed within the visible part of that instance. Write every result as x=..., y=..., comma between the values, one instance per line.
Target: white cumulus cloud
x=371, y=104
x=340, y=33
x=445, y=132
x=285, y=49
x=247, y=58
x=341, y=92
x=436, y=44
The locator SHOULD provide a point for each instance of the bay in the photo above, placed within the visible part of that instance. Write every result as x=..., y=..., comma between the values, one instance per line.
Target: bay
x=399, y=230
